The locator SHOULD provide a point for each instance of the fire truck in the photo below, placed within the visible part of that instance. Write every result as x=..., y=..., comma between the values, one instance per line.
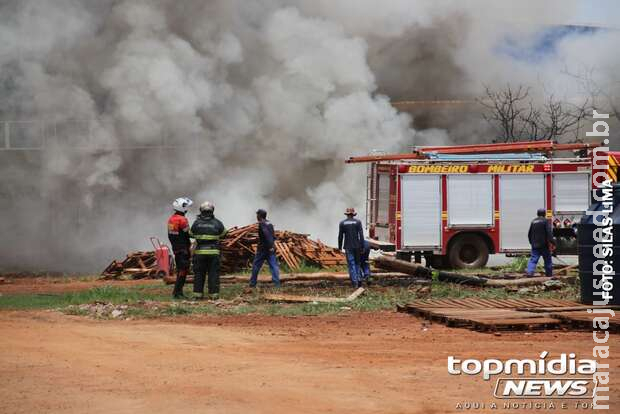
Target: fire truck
x=456, y=205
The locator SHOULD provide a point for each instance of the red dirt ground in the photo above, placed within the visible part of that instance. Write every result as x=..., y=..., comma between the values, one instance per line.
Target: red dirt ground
x=351, y=363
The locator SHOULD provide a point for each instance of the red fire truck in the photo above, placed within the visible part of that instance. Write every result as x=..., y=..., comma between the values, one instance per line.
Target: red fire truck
x=456, y=205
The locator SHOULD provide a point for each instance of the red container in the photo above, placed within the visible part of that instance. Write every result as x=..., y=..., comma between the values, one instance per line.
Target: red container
x=162, y=253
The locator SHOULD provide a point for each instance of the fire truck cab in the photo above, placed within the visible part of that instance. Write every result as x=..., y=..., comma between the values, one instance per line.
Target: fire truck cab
x=457, y=205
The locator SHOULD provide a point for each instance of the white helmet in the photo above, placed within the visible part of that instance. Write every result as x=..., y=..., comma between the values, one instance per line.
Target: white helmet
x=207, y=207
x=181, y=204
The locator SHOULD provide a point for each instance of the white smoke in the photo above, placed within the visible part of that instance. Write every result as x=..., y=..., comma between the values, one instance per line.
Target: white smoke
x=245, y=104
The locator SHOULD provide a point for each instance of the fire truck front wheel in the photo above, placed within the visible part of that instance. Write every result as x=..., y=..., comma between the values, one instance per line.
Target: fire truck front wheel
x=468, y=251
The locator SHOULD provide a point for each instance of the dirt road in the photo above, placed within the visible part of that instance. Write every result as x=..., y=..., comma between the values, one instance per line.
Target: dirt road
x=358, y=363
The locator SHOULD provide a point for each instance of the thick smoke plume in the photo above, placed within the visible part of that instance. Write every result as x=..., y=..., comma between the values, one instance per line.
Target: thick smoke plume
x=132, y=103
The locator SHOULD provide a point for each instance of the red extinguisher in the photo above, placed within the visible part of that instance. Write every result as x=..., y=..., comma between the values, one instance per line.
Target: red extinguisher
x=165, y=265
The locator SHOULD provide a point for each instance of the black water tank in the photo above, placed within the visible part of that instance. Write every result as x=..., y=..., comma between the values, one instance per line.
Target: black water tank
x=585, y=238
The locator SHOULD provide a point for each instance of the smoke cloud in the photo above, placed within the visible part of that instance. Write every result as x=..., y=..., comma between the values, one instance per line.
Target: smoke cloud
x=113, y=108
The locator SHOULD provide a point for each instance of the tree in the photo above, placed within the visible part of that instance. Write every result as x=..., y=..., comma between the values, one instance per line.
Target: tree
x=517, y=117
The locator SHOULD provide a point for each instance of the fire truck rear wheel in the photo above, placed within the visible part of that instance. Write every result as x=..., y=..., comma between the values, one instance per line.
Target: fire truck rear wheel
x=468, y=251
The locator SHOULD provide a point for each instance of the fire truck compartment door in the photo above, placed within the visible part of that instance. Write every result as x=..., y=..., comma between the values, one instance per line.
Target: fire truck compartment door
x=383, y=199
x=520, y=197
x=421, y=210
x=571, y=192
x=470, y=200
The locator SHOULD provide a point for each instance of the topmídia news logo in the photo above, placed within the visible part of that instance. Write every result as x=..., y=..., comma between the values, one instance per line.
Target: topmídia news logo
x=564, y=377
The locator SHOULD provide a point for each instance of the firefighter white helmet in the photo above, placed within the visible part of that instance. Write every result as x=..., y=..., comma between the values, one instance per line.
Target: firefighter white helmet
x=207, y=207
x=182, y=204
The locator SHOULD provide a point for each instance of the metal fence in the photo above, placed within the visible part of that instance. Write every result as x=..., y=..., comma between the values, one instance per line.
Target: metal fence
x=76, y=134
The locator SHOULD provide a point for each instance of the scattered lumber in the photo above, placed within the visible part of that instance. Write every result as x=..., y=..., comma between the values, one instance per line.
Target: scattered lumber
x=414, y=269
x=293, y=249
x=295, y=277
x=276, y=297
x=137, y=265
x=526, y=281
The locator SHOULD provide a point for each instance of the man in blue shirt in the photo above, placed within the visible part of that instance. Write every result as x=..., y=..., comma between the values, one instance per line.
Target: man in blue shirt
x=351, y=237
x=266, y=250
x=541, y=239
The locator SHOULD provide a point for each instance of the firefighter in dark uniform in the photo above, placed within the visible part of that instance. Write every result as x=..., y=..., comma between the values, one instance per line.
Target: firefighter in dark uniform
x=208, y=231
x=352, y=234
x=178, y=234
x=541, y=239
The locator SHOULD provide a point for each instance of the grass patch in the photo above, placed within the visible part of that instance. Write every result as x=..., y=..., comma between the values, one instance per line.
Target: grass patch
x=153, y=301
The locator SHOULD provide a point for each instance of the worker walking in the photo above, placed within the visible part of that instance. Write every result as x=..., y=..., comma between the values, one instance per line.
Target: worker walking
x=266, y=250
x=178, y=235
x=542, y=242
x=352, y=234
x=208, y=231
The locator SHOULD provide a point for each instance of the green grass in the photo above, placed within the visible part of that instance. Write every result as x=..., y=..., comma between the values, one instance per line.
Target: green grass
x=153, y=301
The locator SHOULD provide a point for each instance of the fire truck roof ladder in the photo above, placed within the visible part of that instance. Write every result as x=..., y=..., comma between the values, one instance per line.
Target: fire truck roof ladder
x=545, y=147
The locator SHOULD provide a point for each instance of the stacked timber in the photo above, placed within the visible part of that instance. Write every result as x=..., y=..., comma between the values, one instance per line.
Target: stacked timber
x=137, y=265
x=238, y=250
x=293, y=249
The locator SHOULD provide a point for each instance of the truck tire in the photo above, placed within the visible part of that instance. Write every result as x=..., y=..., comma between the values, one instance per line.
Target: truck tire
x=468, y=251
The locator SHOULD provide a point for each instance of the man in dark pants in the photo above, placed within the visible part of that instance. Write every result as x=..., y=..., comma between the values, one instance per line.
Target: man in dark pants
x=542, y=241
x=353, y=234
x=364, y=262
x=266, y=250
x=178, y=234
x=208, y=231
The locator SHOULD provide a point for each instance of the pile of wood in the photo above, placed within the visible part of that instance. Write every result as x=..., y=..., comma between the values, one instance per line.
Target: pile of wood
x=238, y=250
x=293, y=249
x=137, y=265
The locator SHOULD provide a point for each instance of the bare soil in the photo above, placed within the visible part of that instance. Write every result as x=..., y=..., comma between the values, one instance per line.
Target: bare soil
x=381, y=362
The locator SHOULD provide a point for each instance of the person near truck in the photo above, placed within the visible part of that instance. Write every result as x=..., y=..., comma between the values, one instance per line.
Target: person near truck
x=178, y=235
x=208, y=231
x=351, y=237
x=266, y=250
x=541, y=239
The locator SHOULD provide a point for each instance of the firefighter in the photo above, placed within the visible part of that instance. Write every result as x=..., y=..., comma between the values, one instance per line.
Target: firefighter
x=178, y=234
x=352, y=234
x=542, y=242
x=266, y=250
x=208, y=231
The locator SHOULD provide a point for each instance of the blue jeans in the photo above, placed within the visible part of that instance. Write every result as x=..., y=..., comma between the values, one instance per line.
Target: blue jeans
x=353, y=263
x=259, y=259
x=365, y=268
x=536, y=254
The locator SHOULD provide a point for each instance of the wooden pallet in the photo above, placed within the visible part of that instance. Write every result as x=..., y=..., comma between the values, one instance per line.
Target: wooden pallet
x=489, y=315
x=583, y=320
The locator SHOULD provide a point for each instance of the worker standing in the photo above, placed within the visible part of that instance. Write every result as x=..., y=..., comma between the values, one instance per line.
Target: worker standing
x=266, y=250
x=208, y=231
x=178, y=234
x=542, y=242
x=352, y=234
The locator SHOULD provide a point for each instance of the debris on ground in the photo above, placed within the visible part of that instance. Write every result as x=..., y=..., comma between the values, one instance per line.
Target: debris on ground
x=105, y=310
x=298, y=277
x=276, y=297
x=137, y=265
x=417, y=270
